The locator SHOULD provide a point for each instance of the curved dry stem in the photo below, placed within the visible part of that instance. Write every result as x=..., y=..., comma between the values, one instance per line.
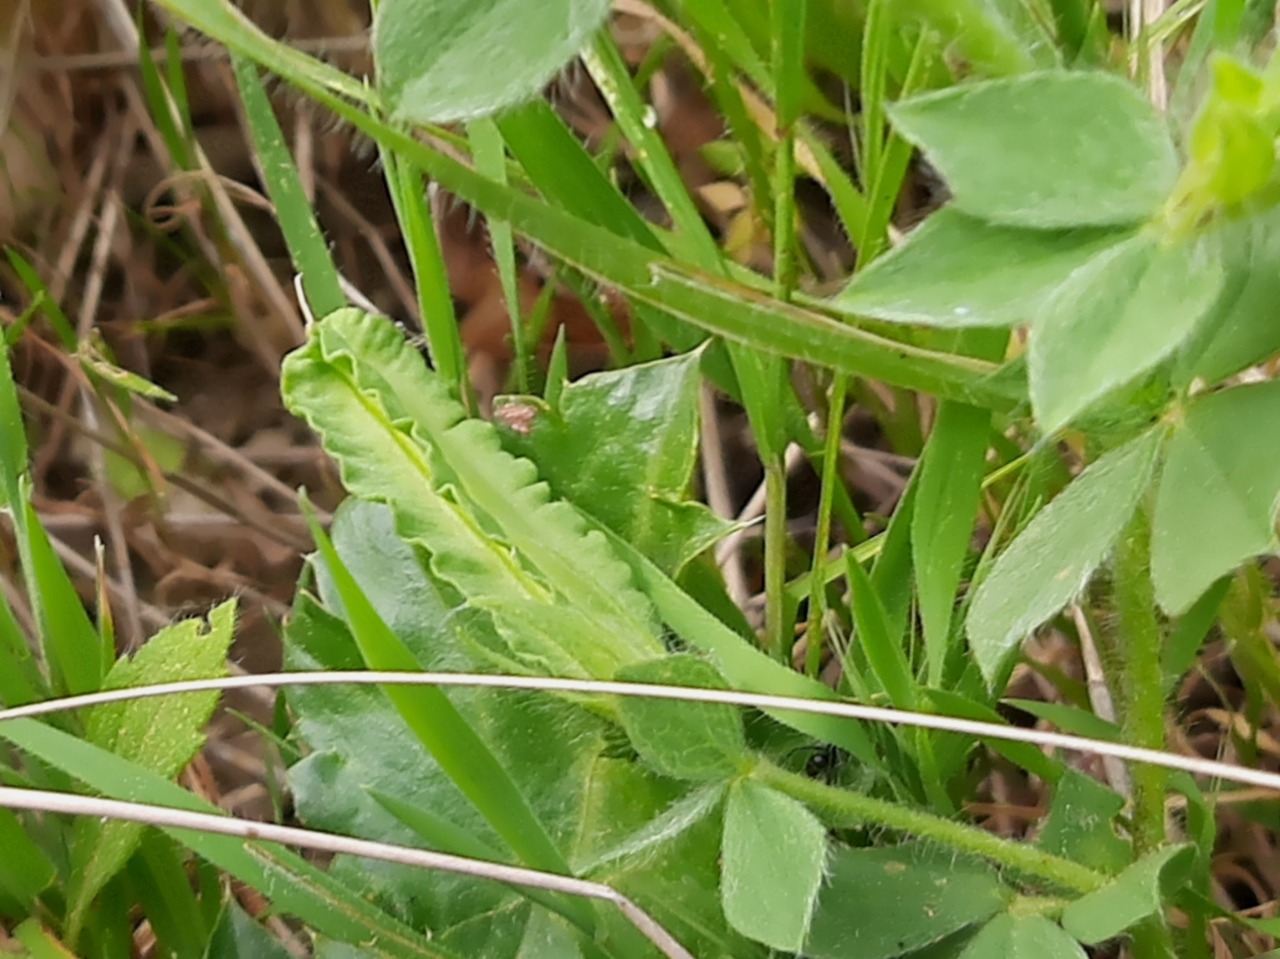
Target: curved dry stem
x=878, y=714
x=164, y=817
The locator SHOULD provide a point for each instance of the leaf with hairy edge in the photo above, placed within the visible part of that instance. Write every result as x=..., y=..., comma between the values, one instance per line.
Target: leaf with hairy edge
x=158, y=734
x=684, y=740
x=1219, y=492
x=775, y=851
x=367, y=392
x=1009, y=936
x=1053, y=558
x=1046, y=150
x=1133, y=895
x=957, y=271
x=440, y=60
x=1115, y=318
x=466, y=454
x=1239, y=329
x=622, y=446
x=909, y=896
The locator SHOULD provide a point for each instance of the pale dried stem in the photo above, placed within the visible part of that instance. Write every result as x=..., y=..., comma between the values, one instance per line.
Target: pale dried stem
x=844, y=710
x=1100, y=700
x=167, y=818
x=719, y=496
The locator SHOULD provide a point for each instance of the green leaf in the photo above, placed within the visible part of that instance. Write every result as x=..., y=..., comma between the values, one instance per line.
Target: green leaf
x=1081, y=823
x=1116, y=317
x=441, y=729
x=946, y=506
x=685, y=740
x=1022, y=937
x=440, y=61
x=236, y=936
x=25, y=869
x=1239, y=329
x=622, y=446
x=957, y=270
x=882, y=902
x=775, y=851
x=75, y=657
x=577, y=562
x=36, y=942
x=160, y=735
x=881, y=644
x=1218, y=492
x=307, y=245
x=1052, y=559
x=994, y=37
x=1133, y=895
x=1046, y=150
x=399, y=438
x=294, y=886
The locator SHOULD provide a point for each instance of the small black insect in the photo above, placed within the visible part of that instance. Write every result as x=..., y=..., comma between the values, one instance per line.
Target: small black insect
x=825, y=762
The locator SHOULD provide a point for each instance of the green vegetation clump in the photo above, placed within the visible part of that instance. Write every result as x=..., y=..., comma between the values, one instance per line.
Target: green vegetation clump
x=652, y=726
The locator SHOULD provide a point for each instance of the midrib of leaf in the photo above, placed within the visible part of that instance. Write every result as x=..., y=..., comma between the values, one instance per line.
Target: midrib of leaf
x=575, y=561
x=437, y=525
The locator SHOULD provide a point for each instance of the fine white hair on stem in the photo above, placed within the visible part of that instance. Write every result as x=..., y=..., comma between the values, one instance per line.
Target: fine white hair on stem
x=167, y=818
x=845, y=710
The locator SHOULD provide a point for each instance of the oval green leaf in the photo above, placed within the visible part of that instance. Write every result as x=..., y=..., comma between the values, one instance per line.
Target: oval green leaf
x=1053, y=558
x=685, y=740
x=1239, y=329
x=957, y=270
x=1133, y=895
x=1115, y=318
x=1047, y=150
x=774, y=854
x=1022, y=937
x=440, y=60
x=908, y=897
x=1216, y=505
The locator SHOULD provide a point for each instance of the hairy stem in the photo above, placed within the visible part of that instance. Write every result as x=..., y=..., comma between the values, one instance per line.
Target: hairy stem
x=840, y=807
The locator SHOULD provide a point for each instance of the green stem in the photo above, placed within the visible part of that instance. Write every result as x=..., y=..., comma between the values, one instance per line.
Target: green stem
x=787, y=36
x=1142, y=683
x=1142, y=679
x=822, y=539
x=840, y=807
x=784, y=216
x=775, y=557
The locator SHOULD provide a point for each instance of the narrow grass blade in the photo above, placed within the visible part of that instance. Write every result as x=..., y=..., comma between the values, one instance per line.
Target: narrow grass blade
x=442, y=730
x=435, y=302
x=608, y=258
x=491, y=160
x=297, y=220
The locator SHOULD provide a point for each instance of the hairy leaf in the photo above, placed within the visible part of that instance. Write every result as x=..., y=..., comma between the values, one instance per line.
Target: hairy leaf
x=775, y=851
x=158, y=734
x=440, y=61
x=1046, y=150
x=957, y=270
x=1219, y=492
x=1053, y=558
